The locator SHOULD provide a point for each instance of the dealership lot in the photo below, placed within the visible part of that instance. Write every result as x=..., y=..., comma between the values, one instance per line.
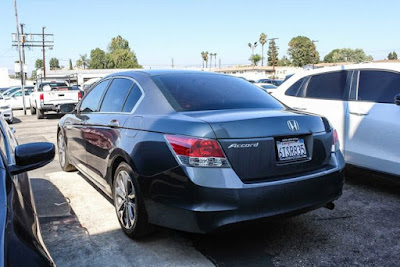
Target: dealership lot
x=79, y=225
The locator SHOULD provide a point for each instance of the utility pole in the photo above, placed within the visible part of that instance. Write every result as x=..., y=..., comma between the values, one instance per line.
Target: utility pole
x=273, y=55
x=44, y=56
x=314, y=50
x=22, y=75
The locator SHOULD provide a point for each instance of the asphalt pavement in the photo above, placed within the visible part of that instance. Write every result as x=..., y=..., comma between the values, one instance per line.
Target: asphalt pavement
x=80, y=228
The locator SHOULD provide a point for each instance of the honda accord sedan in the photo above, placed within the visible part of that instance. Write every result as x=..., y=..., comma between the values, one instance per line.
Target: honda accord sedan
x=196, y=151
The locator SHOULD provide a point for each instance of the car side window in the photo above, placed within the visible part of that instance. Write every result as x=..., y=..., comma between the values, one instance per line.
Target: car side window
x=116, y=95
x=134, y=95
x=378, y=86
x=91, y=102
x=3, y=146
x=18, y=94
x=327, y=85
x=292, y=90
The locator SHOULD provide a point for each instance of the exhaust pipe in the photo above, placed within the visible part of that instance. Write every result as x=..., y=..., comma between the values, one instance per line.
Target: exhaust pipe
x=330, y=206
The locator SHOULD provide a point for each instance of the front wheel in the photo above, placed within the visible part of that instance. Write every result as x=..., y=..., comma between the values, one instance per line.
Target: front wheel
x=63, y=157
x=128, y=203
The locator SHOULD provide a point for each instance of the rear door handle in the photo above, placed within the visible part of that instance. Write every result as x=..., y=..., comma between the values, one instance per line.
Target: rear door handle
x=358, y=113
x=68, y=125
x=114, y=123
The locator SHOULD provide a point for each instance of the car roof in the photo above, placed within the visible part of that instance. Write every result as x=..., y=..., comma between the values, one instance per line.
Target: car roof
x=161, y=72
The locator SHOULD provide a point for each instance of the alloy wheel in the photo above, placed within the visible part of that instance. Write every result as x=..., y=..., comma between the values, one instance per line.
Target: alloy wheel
x=125, y=200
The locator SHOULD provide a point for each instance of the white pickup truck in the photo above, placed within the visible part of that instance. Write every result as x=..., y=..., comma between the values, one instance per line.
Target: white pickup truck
x=49, y=95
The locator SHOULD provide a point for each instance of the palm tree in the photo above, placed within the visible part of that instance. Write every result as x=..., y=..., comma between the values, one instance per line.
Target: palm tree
x=263, y=41
x=206, y=58
x=215, y=56
x=211, y=55
x=83, y=61
x=203, y=56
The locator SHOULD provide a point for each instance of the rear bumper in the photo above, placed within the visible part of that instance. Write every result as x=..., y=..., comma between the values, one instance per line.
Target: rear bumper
x=52, y=107
x=196, y=208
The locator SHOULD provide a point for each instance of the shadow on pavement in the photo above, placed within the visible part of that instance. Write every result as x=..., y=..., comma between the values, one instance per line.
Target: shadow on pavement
x=15, y=121
x=53, y=116
x=368, y=179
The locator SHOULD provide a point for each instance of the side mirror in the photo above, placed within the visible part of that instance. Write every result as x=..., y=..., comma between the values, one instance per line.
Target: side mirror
x=397, y=99
x=32, y=156
x=67, y=108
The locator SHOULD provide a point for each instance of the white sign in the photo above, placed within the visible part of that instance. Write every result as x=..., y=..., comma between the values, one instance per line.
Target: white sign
x=17, y=67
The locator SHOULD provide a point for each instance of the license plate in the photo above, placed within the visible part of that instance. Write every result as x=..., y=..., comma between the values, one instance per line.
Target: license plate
x=291, y=149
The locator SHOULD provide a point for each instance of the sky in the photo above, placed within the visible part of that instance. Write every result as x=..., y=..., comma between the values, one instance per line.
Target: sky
x=159, y=30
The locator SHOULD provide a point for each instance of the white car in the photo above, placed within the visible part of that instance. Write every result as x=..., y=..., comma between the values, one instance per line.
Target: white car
x=15, y=99
x=359, y=101
x=267, y=87
x=5, y=110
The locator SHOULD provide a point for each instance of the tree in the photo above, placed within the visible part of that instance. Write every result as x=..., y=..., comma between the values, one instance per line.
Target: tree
x=284, y=61
x=272, y=53
x=203, y=57
x=83, y=61
x=38, y=64
x=302, y=51
x=255, y=59
x=70, y=65
x=120, y=55
x=347, y=55
x=263, y=41
x=98, y=59
x=54, y=63
x=392, y=56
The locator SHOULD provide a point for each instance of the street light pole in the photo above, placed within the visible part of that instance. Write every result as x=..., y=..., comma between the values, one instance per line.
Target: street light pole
x=44, y=57
x=22, y=75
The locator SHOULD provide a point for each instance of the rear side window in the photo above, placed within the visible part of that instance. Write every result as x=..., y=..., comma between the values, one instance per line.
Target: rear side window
x=133, y=98
x=203, y=91
x=327, y=85
x=378, y=86
x=292, y=90
x=116, y=94
x=91, y=101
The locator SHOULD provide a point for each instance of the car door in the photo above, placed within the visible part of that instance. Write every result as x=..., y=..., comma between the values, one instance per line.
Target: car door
x=105, y=126
x=324, y=94
x=374, y=126
x=75, y=125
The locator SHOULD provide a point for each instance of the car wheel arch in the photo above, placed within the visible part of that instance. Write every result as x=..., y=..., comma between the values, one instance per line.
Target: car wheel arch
x=118, y=156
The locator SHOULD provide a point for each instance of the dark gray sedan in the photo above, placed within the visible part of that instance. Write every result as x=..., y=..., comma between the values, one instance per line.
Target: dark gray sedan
x=196, y=151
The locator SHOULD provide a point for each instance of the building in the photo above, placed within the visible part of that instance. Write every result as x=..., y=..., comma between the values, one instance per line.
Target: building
x=259, y=72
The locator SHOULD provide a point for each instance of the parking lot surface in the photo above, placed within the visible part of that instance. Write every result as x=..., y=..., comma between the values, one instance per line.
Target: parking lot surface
x=80, y=228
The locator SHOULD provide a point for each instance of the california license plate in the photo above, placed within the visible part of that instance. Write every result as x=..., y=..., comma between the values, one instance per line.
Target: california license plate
x=291, y=149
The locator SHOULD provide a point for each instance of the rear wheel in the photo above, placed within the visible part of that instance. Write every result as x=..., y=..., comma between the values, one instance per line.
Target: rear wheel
x=63, y=155
x=33, y=110
x=40, y=113
x=128, y=203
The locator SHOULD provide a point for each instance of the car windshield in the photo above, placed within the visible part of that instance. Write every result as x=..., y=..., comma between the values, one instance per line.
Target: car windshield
x=194, y=92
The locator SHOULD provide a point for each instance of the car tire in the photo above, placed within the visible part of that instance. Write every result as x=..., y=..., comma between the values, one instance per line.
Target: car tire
x=33, y=110
x=39, y=114
x=63, y=157
x=129, y=204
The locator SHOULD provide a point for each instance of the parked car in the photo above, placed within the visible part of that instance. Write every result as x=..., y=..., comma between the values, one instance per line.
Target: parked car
x=16, y=88
x=86, y=85
x=195, y=151
x=5, y=110
x=359, y=101
x=49, y=95
x=264, y=81
x=15, y=101
x=267, y=87
x=21, y=241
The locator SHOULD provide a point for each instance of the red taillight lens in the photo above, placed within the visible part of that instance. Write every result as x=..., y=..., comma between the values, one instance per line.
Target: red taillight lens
x=79, y=95
x=197, y=152
x=335, y=141
x=41, y=97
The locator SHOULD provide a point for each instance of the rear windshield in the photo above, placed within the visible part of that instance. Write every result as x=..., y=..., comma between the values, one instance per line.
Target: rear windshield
x=194, y=92
x=53, y=85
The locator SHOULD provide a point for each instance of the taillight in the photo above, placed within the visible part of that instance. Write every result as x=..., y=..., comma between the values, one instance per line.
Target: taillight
x=196, y=152
x=335, y=141
x=41, y=97
x=79, y=96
